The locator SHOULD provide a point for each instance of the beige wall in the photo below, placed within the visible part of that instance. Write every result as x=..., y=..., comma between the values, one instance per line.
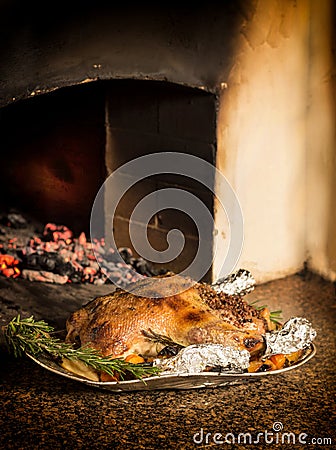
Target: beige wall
x=277, y=160
x=321, y=145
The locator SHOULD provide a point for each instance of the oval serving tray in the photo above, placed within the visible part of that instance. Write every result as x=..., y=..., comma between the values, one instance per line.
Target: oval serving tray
x=170, y=381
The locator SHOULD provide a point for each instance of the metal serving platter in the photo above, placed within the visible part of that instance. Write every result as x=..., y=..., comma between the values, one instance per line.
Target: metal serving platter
x=171, y=381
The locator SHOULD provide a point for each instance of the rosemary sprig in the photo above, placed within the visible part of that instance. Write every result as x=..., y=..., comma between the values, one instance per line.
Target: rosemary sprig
x=275, y=316
x=30, y=336
x=160, y=338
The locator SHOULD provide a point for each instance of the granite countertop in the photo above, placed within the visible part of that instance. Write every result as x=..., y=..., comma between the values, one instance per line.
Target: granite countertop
x=40, y=409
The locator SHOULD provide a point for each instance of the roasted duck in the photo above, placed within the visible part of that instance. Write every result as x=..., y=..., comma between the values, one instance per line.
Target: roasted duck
x=121, y=324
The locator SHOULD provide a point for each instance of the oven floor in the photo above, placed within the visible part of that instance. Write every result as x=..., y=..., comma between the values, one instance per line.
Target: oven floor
x=42, y=410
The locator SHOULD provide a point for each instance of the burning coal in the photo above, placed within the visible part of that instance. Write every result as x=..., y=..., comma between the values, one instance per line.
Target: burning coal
x=56, y=256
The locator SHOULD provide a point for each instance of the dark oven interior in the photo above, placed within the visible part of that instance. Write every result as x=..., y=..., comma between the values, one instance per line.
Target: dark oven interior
x=58, y=149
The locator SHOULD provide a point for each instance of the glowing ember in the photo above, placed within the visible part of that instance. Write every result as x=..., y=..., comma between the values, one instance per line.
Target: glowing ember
x=57, y=256
x=8, y=266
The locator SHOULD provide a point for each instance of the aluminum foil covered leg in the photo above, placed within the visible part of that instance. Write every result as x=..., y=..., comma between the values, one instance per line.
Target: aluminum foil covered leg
x=236, y=284
x=296, y=334
x=195, y=358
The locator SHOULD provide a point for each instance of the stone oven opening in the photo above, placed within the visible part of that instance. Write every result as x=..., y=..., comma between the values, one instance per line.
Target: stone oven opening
x=58, y=149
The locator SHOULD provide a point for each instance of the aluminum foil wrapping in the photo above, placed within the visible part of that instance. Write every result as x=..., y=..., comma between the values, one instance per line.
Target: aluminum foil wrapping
x=296, y=334
x=195, y=358
x=237, y=284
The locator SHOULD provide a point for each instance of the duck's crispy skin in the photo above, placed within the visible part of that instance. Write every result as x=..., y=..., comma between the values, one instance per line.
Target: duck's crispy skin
x=115, y=324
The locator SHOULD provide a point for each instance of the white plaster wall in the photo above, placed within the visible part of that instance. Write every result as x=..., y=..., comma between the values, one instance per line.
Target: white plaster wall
x=262, y=138
x=321, y=145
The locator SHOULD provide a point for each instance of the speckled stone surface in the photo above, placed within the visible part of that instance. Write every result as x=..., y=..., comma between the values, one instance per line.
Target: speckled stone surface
x=43, y=410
